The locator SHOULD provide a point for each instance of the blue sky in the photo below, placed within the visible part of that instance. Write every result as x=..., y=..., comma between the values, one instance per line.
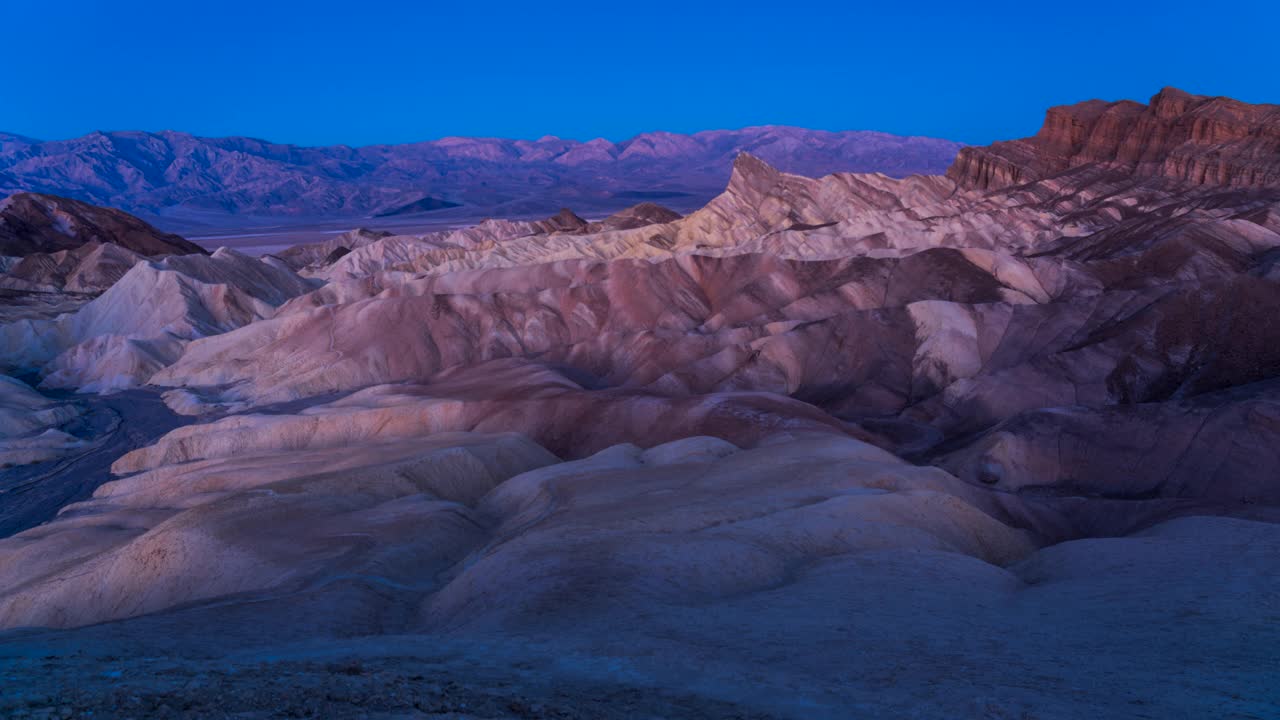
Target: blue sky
x=373, y=71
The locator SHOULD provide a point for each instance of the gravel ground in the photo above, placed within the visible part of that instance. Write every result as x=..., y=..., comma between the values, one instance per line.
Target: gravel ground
x=57, y=687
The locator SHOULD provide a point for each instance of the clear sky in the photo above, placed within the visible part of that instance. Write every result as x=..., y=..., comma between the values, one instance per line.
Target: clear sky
x=372, y=71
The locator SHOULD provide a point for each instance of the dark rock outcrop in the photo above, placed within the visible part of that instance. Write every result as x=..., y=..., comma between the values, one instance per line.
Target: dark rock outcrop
x=642, y=215
x=426, y=204
x=33, y=223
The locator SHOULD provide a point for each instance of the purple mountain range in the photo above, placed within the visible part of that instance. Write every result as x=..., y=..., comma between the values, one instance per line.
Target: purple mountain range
x=177, y=175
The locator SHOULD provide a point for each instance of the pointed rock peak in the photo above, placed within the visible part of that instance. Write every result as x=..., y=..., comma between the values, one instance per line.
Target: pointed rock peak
x=750, y=171
x=566, y=219
x=652, y=210
x=1171, y=102
x=749, y=164
x=646, y=213
x=1169, y=93
x=364, y=232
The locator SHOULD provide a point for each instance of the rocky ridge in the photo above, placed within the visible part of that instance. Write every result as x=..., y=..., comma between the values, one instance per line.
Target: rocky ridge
x=178, y=175
x=1184, y=138
x=35, y=223
x=823, y=443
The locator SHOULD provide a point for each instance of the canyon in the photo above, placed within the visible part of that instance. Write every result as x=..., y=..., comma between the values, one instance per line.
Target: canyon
x=999, y=441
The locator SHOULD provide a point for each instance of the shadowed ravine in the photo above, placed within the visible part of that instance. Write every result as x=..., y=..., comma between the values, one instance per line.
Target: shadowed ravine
x=114, y=425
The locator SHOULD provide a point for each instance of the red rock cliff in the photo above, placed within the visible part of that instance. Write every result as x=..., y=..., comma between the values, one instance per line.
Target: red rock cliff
x=1189, y=138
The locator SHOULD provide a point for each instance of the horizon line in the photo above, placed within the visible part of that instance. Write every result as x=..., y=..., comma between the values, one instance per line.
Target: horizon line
x=544, y=138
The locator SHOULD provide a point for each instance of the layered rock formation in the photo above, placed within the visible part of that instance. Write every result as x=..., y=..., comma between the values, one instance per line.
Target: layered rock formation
x=32, y=426
x=1191, y=139
x=140, y=324
x=88, y=269
x=68, y=251
x=819, y=429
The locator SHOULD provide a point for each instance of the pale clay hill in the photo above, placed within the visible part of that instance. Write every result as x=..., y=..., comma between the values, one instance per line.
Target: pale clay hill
x=1000, y=443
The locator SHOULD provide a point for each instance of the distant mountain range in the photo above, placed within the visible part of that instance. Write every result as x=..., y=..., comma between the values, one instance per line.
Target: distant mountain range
x=176, y=175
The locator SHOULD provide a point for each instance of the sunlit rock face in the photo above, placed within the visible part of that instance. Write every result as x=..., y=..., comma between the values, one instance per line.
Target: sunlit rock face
x=823, y=443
